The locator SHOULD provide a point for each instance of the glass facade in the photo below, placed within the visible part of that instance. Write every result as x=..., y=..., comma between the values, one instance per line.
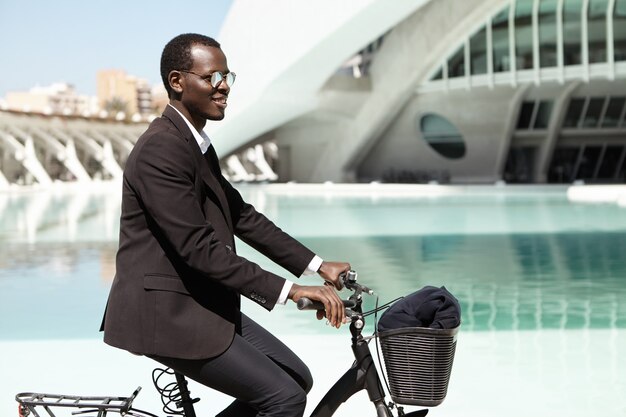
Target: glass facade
x=547, y=33
x=613, y=113
x=478, y=52
x=523, y=34
x=572, y=32
x=571, y=39
x=574, y=112
x=500, y=41
x=595, y=112
x=540, y=41
x=619, y=30
x=534, y=115
x=456, y=63
x=596, y=18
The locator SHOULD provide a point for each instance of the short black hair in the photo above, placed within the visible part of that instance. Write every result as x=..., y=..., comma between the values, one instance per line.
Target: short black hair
x=177, y=54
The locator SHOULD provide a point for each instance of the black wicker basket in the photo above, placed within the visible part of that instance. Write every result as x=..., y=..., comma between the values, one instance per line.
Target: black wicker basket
x=418, y=361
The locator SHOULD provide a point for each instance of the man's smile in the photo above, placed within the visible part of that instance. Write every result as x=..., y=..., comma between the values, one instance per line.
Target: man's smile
x=220, y=101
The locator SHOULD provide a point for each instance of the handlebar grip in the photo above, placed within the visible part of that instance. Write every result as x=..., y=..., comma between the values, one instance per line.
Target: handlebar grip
x=308, y=304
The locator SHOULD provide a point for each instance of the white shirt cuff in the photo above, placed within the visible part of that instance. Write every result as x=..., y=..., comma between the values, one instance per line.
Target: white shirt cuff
x=311, y=269
x=314, y=265
x=282, y=298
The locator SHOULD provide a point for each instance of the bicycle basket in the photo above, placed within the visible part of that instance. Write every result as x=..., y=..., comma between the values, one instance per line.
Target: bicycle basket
x=418, y=361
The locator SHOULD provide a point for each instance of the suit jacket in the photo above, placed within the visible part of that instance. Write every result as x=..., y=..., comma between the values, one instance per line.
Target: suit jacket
x=178, y=278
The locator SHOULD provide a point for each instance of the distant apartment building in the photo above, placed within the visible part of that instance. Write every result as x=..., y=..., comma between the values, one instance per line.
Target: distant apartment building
x=58, y=98
x=120, y=92
x=159, y=98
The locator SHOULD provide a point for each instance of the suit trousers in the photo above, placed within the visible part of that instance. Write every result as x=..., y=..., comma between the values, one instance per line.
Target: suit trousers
x=263, y=375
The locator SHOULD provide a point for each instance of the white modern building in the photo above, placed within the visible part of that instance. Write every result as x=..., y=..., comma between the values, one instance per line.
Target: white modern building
x=459, y=91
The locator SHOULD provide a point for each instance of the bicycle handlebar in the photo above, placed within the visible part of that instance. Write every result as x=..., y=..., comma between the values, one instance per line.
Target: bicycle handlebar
x=349, y=281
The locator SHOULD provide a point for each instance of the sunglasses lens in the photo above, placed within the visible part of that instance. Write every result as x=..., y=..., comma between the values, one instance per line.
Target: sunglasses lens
x=216, y=78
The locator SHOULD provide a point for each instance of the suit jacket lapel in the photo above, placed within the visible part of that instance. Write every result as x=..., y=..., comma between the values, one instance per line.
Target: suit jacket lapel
x=203, y=162
x=210, y=178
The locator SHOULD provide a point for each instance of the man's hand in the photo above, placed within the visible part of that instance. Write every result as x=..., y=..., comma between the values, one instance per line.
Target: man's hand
x=327, y=295
x=331, y=272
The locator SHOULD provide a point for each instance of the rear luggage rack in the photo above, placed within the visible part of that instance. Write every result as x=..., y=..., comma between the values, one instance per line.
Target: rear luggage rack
x=28, y=401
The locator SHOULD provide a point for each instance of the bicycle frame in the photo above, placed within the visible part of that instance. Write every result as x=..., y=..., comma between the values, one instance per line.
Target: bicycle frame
x=362, y=375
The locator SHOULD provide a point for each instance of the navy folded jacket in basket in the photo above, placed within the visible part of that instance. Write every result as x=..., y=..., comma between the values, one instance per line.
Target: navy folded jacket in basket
x=429, y=307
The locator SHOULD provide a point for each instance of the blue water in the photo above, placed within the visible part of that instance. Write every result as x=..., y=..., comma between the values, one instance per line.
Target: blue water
x=515, y=260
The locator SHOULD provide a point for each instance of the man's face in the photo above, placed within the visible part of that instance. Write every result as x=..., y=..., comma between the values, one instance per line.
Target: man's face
x=200, y=98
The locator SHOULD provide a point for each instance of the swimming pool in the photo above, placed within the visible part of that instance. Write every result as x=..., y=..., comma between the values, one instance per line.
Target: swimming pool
x=541, y=280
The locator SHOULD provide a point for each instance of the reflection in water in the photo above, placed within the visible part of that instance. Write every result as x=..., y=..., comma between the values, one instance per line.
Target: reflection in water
x=516, y=282
x=57, y=259
x=54, y=290
x=85, y=214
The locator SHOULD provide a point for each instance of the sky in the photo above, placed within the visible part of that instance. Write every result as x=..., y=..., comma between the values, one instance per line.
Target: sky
x=48, y=41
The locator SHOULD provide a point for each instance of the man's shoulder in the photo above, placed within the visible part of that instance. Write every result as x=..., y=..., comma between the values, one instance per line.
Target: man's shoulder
x=161, y=131
x=162, y=138
x=161, y=126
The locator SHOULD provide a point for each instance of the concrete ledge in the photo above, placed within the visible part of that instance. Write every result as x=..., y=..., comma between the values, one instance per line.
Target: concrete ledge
x=598, y=194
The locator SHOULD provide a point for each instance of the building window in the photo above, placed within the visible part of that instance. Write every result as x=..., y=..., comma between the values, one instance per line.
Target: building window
x=534, y=115
x=613, y=155
x=442, y=136
x=593, y=113
x=614, y=111
x=500, y=41
x=597, y=30
x=523, y=34
x=547, y=33
x=619, y=30
x=478, y=52
x=544, y=111
x=536, y=42
x=563, y=165
x=589, y=162
x=520, y=165
x=574, y=111
x=438, y=75
x=526, y=115
x=572, y=47
x=456, y=63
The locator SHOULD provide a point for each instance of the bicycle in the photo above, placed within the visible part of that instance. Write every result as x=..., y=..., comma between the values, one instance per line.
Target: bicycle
x=362, y=375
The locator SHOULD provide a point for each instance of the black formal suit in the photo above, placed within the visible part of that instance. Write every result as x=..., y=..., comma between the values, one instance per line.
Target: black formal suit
x=178, y=279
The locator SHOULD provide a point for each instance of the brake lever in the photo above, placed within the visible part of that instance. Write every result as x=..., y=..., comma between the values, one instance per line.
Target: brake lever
x=349, y=281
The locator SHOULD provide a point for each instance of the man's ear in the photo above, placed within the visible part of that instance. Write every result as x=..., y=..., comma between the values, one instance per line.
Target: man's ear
x=175, y=79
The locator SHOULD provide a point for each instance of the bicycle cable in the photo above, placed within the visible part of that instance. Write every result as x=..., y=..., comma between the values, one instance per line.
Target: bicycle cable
x=170, y=393
x=375, y=336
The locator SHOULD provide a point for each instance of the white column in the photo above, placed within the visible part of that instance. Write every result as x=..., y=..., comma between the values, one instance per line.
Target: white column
x=559, y=41
x=535, y=33
x=108, y=161
x=610, y=45
x=585, y=38
x=489, y=34
x=261, y=163
x=32, y=164
x=512, y=57
x=72, y=163
x=4, y=183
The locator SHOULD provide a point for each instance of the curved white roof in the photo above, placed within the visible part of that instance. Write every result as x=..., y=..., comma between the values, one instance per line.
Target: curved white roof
x=283, y=51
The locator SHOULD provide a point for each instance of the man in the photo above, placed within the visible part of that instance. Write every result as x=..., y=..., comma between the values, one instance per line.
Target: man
x=176, y=293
